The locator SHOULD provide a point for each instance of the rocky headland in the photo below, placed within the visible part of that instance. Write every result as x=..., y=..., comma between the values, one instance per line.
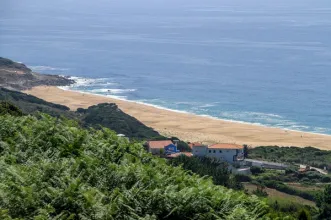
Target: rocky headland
x=17, y=76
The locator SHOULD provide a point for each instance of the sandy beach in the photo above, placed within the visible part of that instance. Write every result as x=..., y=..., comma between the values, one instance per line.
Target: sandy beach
x=189, y=127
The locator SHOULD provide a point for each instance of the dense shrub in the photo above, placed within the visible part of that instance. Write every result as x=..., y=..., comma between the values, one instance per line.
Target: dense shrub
x=52, y=169
x=256, y=170
x=97, y=116
x=324, y=203
x=8, y=108
x=216, y=169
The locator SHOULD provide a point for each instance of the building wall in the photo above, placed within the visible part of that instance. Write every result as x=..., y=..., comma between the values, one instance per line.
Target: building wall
x=227, y=155
x=199, y=151
x=222, y=154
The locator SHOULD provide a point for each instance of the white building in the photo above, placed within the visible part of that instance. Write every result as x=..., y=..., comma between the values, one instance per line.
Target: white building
x=230, y=153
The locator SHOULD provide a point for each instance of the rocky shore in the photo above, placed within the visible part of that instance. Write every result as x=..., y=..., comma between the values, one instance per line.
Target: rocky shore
x=17, y=76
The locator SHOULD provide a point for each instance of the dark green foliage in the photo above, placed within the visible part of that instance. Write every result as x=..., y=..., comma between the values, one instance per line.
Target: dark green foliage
x=106, y=115
x=308, y=155
x=260, y=191
x=30, y=104
x=53, y=169
x=216, y=169
x=304, y=215
x=8, y=108
x=256, y=170
x=7, y=63
x=245, y=150
x=324, y=203
x=110, y=116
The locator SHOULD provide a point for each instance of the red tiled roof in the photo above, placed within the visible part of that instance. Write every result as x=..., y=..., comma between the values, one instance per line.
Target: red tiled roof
x=159, y=144
x=226, y=146
x=188, y=154
x=196, y=144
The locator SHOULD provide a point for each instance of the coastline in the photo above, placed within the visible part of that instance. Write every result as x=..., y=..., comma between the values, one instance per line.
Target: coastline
x=188, y=126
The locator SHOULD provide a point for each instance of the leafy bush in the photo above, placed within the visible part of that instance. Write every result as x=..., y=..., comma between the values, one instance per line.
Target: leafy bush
x=8, y=108
x=216, y=169
x=52, y=169
x=324, y=203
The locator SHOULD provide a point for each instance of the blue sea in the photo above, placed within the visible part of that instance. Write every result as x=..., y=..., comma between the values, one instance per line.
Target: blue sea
x=265, y=62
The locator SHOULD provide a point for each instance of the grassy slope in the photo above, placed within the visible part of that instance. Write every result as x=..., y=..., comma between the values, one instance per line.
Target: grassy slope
x=51, y=168
x=277, y=195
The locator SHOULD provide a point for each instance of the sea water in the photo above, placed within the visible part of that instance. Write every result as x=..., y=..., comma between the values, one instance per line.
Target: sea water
x=257, y=61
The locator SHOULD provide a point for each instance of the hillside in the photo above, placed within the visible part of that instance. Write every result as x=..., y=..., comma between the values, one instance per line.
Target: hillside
x=106, y=115
x=17, y=76
x=52, y=169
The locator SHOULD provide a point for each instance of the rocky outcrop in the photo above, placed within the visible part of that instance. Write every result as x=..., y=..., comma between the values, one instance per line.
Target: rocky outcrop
x=17, y=76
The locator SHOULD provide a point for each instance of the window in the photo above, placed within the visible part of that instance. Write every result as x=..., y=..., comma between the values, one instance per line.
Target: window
x=209, y=151
x=220, y=151
x=214, y=151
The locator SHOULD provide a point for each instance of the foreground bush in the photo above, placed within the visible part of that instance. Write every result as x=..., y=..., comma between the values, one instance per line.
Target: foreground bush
x=52, y=169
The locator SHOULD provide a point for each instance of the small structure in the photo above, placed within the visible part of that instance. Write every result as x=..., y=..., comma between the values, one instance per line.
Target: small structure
x=162, y=147
x=230, y=153
x=303, y=168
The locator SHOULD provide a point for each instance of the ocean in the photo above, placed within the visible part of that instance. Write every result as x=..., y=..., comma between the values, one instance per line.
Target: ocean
x=264, y=62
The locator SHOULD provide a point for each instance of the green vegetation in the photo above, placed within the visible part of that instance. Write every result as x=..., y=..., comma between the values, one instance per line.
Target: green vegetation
x=8, y=108
x=277, y=180
x=209, y=167
x=110, y=116
x=308, y=155
x=7, y=63
x=324, y=203
x=105, y=115
x=53, y=169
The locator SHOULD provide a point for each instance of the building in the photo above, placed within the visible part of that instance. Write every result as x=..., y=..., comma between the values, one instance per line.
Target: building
x=230, y=153
x=162, y=147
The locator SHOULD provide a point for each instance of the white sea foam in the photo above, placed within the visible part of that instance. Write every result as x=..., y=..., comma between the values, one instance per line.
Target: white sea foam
x=47, y=68
x=97, y=87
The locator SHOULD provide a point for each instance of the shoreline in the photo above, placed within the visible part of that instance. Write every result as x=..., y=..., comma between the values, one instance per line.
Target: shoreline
x=188, y=126
x=191, y=113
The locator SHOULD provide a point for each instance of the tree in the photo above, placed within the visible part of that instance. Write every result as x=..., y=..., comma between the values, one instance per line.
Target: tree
x=245, y=150
x=304, y=215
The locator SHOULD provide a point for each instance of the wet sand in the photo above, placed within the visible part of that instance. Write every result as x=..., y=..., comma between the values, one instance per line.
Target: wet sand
x=186, y=126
